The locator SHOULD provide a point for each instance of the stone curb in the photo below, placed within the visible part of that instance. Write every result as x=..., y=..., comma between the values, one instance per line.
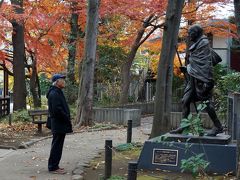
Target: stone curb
x=25, y=145
x=8, y=147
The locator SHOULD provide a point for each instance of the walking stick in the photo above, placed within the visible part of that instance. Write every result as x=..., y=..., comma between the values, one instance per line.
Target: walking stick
x=185, y=76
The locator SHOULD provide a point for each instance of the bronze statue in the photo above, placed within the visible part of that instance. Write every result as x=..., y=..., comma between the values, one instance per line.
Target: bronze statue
x=200, y=74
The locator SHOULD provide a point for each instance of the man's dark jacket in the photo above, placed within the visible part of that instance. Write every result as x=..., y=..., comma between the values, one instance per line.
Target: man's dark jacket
x=58, y=111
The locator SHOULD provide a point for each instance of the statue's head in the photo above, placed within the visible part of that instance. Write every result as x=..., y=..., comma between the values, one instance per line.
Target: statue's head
x=195, y=32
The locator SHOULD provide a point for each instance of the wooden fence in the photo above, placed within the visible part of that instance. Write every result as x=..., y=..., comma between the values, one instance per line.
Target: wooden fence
x=4, y=106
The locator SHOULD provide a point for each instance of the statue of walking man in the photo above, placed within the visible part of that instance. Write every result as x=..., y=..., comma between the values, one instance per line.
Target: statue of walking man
x=201, y=83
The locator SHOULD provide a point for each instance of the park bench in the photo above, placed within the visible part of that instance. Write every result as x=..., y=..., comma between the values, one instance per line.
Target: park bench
x=39, y=117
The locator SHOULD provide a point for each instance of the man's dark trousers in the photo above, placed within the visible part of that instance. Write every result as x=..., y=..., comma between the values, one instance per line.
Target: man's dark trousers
x=56, y=151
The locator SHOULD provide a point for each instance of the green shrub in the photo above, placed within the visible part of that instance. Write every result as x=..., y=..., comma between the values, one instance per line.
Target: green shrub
x=128, y=146
x=44, y=102
x=117, y=178
x=109, y=93
x=73, y=111
x=193, y=124
x=225, y=81
x=21, y=116
x=114, y=178
x=196, y=164
x=103, y=126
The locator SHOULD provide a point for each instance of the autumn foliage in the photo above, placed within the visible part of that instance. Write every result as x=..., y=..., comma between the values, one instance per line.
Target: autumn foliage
x=47, y=28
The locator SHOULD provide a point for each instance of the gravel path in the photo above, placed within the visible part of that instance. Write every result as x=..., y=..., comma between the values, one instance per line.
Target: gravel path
x=79, y=149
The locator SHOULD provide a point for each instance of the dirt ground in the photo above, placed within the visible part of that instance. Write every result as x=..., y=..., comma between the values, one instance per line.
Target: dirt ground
x=16, y=134
x=13, y=136
x=119, y=169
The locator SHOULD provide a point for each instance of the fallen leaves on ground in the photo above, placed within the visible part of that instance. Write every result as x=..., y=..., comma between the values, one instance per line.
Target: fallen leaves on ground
x=16, y=128
x=19, y=132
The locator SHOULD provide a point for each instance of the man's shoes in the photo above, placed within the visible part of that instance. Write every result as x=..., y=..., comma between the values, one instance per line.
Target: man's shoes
x=214, y=131
x=177, y=131
x=58, y=171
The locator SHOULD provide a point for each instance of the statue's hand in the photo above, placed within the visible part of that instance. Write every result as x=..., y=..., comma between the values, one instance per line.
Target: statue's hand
x=183, y=69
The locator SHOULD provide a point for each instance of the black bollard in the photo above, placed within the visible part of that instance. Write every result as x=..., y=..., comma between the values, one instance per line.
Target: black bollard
x=132, y=170
x=129, y=131
x=108, y=159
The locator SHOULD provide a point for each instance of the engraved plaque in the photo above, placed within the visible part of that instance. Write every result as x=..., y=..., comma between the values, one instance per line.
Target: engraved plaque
x=166, y=157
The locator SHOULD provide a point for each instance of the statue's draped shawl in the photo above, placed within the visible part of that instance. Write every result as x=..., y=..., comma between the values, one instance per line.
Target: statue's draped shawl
x=200, y=64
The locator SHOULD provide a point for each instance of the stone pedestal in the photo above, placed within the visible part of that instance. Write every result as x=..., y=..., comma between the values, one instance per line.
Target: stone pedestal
x=167, y=155
x=219, y=139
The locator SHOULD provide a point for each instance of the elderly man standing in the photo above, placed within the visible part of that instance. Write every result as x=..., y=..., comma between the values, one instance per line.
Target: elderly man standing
x=60, y=123
x=201, y=83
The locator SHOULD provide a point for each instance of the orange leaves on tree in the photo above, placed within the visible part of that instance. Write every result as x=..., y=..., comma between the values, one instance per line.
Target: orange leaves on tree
x=134, y=9
x=152, y=49
x=47, y=26
x=2, y=56
x=46, y=32
x=203, y=12
x=179, y=62
x=221, y=28
x=122, y=19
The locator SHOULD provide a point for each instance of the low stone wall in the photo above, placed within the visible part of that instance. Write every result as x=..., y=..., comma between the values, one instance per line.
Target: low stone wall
x=145, y=107
x=117, y=115
x=148, y=107
x=121, y=116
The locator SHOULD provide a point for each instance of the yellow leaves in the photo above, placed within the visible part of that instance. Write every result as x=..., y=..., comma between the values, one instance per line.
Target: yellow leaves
x=154, y=64
x=179, y=62
x=176, y=65
x=153, y=47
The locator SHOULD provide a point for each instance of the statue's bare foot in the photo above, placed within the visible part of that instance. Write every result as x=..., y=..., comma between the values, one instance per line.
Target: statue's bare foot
x=177, y=131
x=214, y=131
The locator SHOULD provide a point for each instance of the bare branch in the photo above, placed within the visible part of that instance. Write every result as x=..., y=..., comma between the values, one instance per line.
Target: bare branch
x=197, y=7
x=153, y=29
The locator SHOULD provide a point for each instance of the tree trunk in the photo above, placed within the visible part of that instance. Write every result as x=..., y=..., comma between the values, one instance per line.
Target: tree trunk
x=237, y=16
x=126, y=76
x=237, y=22
x=34, y=85
x=19, y=87
x=163, y=98
x=126, y=72
x=85, y=93
x=71, y=88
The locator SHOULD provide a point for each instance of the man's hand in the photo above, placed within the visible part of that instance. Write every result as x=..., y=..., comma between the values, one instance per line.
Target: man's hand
x=183, y=69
